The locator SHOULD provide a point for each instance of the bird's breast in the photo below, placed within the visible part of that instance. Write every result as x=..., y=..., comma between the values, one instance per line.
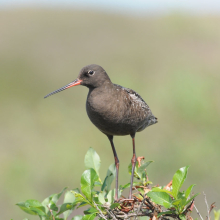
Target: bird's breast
x=115, y=113
x=102, y=109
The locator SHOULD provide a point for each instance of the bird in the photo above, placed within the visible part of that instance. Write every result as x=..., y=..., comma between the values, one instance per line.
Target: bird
x=113, y=109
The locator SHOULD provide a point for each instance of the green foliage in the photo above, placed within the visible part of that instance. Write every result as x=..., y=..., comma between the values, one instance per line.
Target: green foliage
x=88, y=179
x=173, y=201
x=109, y=178
x=161, y=198
x=92, y=160
x=140, y=172
x=217, y=214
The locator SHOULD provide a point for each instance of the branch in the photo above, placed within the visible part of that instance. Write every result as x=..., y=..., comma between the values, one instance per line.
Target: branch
x=198, y=212
x=51, y=212
x=140, y=207
x=206, y=205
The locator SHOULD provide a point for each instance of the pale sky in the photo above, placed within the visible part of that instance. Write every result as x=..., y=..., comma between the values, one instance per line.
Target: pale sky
x=193, y=6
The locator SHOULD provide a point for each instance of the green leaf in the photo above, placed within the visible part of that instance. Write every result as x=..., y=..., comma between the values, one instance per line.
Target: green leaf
x=97, y=184
x=82, y=204
x=53, y=206
x=32, y=207
x=164, y=213
x=111, y=196
x=102, y=197
x=179, y=204
x=190, y=200
x=89, y=217
x=114, y=205
x=96, y=197
x=109, y=178
x=92, y=160
x=141, y=169
x=64, y=207
x=77, y=217
x=89, y=177
x=182, y=204
x=57, y=196
x=128, y=185
x=217, y=214
x=148, y=182
x=176, y=202
x=188, y=191
x=181, y=195
x=157, y=189
x=141, y=190
x=125, y=186
x=79, y=198
x=54, y=198
x=90, y=210
x=182, y=217
x=178, y=179
x=35, y=206
x=32, y=203
x=161, y=198
x=69, y=197
x=136, y=174
x=22, y=206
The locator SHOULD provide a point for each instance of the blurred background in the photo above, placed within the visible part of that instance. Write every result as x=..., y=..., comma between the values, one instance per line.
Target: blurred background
x=167, y=51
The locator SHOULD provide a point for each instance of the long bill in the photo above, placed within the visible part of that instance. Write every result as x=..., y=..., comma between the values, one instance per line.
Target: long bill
x=74, y=83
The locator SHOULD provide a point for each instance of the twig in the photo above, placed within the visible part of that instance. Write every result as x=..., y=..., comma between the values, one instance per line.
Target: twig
x=206, y=205
x=154, y=217
x=107, y=208
x=130, y=215
x=139, y=208
x=189, y=207
x=101, y=214
x=51, y=212
x=149, y=202
x=198, y=212
x=212, y=207
x=112, y=215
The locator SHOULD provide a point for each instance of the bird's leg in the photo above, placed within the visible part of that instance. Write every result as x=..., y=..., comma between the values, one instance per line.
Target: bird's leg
x=110, y=137
x=133, y=162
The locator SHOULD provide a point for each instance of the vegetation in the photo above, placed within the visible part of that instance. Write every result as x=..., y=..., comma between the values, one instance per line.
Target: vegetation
x=155, y=202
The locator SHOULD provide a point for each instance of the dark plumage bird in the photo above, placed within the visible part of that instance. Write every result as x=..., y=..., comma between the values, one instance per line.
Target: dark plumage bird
x=113, y=109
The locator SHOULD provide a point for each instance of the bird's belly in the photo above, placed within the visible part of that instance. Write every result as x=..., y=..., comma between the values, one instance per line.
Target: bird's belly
x=112, y=122
x=110, y=127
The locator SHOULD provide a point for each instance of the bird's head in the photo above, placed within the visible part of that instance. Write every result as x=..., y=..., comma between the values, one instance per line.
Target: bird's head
x=91, y=76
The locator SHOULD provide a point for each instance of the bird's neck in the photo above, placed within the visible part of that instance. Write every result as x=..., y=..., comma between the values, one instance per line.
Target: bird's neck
x=106, y=85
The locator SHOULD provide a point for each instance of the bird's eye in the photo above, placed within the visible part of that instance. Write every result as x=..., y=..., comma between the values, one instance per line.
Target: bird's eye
x=91, y=72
